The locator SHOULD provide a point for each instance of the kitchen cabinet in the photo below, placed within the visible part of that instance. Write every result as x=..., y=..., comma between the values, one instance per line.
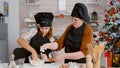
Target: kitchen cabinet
x=32, y=2
x=93, y=2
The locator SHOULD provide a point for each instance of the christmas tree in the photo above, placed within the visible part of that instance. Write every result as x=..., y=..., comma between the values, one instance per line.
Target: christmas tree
x=110, y=33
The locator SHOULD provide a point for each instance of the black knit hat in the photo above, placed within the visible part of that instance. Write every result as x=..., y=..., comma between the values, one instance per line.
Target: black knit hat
x=44, y=18
x=80, y=11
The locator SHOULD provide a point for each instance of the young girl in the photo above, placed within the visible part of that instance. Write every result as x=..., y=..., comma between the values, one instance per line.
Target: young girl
x=37, y=38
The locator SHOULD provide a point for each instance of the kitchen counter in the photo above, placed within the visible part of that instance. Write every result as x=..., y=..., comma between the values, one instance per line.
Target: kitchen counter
x=27, y=65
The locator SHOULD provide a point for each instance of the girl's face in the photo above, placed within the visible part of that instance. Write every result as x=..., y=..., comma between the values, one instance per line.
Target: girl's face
x=44, y=30
x=76, y=22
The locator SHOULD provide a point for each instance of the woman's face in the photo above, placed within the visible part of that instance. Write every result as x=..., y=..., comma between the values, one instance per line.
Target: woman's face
x=76, y=22
x=44, y=30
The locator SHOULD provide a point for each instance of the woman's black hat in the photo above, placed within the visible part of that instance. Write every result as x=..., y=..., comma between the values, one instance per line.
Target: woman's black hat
x=80, y=11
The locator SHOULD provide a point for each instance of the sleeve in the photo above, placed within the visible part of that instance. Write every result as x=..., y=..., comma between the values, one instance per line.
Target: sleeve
x=29, y=34
x=87, y=39
x=60, y=41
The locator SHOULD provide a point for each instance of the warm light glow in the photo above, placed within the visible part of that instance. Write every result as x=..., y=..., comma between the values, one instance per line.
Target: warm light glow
x=61, y=16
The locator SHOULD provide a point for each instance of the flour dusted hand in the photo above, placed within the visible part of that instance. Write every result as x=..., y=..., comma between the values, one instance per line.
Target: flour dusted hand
x=37, y=62
x=41, y=49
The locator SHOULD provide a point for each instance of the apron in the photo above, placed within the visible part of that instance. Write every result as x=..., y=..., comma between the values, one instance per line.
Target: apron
x=73, y=42
x=38, y=41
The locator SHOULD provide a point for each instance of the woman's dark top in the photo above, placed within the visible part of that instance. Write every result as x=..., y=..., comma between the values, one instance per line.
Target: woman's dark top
x=73, y=42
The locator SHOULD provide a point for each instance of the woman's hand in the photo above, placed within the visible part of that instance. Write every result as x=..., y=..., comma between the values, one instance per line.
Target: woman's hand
x=59, y=58
x=46, y=46
x=51, y=46
x=34, y=56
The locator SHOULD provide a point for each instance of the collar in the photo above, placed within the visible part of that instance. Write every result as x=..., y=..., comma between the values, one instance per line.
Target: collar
x=80, y=28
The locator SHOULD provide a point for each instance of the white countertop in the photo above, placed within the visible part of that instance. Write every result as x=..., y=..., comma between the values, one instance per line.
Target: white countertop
x=52, y=65
x=41, y=66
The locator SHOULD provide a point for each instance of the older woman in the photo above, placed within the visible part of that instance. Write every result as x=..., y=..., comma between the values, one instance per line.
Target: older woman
x=75, y=38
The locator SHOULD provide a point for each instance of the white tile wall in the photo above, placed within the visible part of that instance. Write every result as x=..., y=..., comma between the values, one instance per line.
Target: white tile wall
x=59, y=25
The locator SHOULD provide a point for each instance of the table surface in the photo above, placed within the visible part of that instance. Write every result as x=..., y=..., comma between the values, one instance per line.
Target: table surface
x=27, y=65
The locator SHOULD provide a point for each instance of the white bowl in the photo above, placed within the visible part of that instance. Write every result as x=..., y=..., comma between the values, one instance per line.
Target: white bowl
x=35, y=63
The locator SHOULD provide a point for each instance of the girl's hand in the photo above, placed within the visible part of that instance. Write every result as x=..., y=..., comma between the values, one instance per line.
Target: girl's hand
x=34, y=56
x=44, y=57
x=50, y=60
